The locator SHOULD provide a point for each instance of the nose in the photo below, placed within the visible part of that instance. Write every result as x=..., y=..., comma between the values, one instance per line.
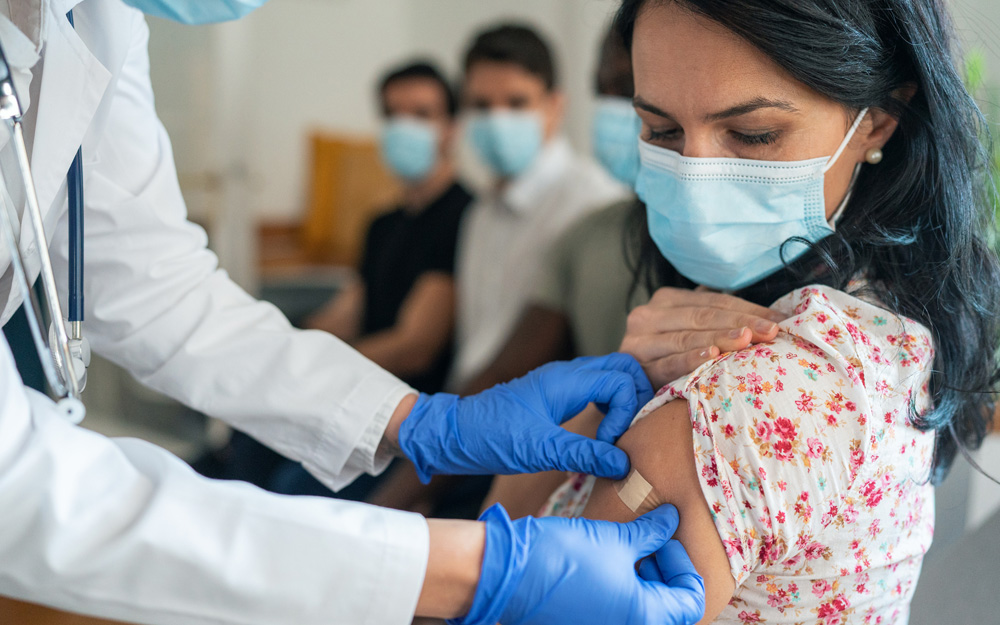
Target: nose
x=699, y=145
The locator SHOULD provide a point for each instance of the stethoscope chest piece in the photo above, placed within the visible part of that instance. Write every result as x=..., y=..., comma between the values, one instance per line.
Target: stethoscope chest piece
x=72, y=409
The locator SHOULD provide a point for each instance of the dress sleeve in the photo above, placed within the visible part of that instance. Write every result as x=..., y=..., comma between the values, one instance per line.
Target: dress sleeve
x=780, y=434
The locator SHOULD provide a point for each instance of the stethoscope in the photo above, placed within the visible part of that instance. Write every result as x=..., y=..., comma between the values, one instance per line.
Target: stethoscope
x=65, y=353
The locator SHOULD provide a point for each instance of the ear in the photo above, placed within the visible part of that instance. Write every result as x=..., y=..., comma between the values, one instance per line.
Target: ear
x=883, y=124
x=555, y=111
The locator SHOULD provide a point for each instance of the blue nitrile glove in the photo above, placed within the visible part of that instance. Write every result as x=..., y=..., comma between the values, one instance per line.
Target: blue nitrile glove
x=514, y=427
x=577, y=571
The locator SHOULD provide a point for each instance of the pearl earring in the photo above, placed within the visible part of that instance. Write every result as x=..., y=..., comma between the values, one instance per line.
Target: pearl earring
x=873, y=156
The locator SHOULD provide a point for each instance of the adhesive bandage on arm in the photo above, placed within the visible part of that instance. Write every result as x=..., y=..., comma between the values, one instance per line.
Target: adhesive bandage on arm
x=636, y=493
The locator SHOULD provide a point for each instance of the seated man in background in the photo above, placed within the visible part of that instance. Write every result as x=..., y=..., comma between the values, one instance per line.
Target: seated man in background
x=399, y=312
x=579, y=302
x=542, y=187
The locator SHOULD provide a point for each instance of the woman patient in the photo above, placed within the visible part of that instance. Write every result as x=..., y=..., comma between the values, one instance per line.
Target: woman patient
x=820, y=157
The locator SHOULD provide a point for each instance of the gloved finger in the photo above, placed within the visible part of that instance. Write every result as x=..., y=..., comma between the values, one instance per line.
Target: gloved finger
x=676, y=567
x=629, y=365
x=619, y=400
x=614, y=393
x=661, y=604
x=649, y=571
x=648, y=533
x=683, y=589
x=566, y=451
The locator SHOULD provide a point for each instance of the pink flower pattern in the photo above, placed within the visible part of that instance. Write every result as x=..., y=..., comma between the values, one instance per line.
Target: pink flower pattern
x=815, y=476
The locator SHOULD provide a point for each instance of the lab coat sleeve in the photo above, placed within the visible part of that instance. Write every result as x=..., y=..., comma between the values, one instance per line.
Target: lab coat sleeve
x=158, y=305
x=121, y=529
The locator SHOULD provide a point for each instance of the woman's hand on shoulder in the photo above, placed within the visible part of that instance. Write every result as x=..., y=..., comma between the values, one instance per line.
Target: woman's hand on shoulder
x=680, y=329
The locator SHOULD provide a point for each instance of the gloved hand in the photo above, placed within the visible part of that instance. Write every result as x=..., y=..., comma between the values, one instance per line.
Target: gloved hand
x=514, y=427
x=578, y=571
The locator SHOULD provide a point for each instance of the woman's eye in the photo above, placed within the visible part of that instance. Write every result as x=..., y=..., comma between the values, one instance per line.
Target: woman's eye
x=661, y=135
x=763, y=138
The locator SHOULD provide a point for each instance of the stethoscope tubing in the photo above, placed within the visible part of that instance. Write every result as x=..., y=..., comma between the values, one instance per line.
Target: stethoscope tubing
x=63, y=357
x=31, y=305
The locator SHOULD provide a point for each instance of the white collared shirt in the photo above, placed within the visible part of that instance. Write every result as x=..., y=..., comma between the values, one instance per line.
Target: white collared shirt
x=504, y=237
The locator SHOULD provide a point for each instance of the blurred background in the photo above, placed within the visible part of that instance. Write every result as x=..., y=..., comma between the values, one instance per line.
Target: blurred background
x=273, y=121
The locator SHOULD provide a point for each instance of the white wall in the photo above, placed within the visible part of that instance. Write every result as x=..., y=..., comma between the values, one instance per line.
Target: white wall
x=305, y=64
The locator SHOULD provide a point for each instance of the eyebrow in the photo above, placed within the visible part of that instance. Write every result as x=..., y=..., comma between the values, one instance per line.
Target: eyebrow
x=734, y=111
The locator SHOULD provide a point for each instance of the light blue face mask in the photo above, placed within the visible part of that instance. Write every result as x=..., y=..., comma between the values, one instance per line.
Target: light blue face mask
x=724, y=222
x=508, y=141
x=196, y=11
x=615, y=138
x=409, y=147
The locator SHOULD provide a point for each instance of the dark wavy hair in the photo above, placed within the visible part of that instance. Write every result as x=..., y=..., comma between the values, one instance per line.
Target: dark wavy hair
x=917, y=225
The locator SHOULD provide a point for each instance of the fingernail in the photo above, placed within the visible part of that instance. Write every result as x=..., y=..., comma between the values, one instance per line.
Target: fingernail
x=735, y=334
x=763, y=327
x=704, y=354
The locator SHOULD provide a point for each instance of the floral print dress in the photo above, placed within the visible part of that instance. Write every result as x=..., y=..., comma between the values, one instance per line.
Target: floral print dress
x=817, y=480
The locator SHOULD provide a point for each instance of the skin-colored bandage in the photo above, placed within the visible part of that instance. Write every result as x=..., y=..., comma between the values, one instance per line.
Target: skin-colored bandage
x=635, y=492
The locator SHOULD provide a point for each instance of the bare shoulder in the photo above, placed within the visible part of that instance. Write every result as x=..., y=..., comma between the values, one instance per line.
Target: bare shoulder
x=661, y=450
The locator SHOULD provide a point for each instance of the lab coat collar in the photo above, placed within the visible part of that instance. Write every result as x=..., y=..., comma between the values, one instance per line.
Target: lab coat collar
x=72, y=74
x=527, y=190
x=73, y=85
x=29, y=18
x=62, y=7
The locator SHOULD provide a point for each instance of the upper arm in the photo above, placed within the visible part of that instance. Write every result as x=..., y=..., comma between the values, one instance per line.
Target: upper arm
x=661, y=450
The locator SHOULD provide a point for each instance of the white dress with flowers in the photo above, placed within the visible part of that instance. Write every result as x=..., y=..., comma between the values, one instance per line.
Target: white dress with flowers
x=816, y=478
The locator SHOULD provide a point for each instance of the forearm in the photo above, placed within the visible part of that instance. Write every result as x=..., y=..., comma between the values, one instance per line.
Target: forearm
x=401, y=353
x=453, y=568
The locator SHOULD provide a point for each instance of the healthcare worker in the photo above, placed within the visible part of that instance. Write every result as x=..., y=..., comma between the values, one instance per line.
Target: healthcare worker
x=122, y=529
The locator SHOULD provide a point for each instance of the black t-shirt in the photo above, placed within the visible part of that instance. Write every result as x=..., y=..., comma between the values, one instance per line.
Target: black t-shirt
x=400, y=248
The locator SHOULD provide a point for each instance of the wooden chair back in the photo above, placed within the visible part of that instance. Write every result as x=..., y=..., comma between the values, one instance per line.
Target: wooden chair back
x=348, y=186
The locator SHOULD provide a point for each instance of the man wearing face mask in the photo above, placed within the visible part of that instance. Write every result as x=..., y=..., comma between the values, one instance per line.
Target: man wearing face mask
x=400, y=312
x=578, y=303
x=542, y=187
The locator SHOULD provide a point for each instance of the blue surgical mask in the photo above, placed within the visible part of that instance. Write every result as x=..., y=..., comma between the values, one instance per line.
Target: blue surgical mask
x=616, y=138
x=508, y=142
x=409, y=147
x=724, y=222
x=196, y=11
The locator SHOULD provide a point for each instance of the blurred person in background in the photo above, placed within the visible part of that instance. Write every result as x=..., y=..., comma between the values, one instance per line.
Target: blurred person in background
x=515, y=112
x=399, y=311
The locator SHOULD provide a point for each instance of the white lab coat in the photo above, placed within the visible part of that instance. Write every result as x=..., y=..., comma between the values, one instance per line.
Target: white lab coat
x=119, y=528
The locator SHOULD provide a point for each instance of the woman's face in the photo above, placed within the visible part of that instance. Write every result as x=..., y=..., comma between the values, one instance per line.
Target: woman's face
x=704, y=92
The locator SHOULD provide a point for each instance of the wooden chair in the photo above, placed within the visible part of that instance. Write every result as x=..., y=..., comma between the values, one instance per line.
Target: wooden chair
x=348, y=185
x=19, y=613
